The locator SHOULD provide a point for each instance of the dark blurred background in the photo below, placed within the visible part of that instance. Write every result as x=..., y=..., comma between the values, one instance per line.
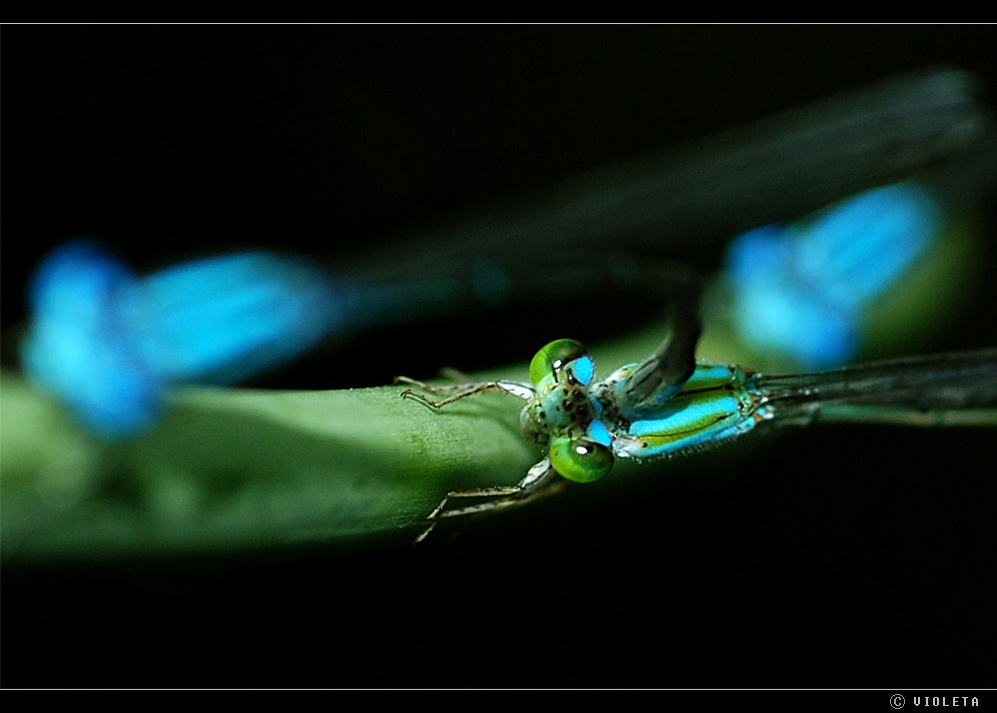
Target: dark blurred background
x=832, y=557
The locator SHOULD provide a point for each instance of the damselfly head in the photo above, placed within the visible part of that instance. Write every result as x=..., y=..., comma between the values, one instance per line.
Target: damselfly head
x=565, y=415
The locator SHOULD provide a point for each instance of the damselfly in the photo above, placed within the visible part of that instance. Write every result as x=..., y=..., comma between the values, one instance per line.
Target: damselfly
x=670, y=404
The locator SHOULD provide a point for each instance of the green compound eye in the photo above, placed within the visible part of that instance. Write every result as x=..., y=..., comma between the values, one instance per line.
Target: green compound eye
x=579, y=459
x=554, y=356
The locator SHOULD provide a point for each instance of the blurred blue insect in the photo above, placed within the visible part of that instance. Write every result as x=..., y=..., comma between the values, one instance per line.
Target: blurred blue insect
x=109, y=344
x=804, y=289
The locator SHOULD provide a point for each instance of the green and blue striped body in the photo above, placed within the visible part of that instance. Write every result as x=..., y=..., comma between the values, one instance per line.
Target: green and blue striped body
x=717, y=402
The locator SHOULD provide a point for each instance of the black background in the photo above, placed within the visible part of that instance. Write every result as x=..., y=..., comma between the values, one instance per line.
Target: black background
x=836, y=557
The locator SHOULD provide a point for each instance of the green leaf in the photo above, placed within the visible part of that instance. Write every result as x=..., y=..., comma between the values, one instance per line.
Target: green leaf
x=236, y=470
